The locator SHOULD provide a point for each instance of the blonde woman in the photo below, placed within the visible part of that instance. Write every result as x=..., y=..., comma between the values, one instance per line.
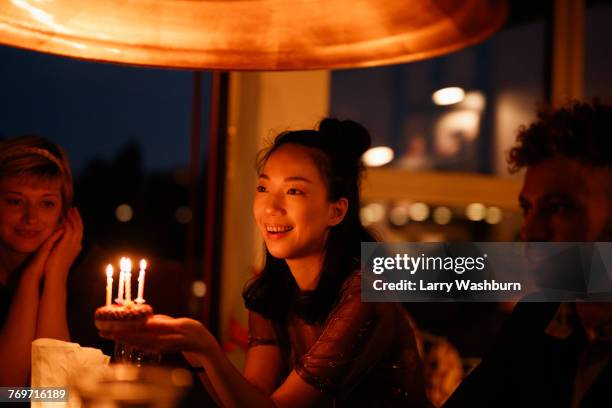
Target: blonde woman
x=40, y=237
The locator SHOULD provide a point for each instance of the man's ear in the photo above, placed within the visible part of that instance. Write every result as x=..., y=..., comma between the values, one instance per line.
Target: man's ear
x=339, y=209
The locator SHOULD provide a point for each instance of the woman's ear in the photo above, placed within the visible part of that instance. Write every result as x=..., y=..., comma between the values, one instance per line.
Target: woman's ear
x=339, y=209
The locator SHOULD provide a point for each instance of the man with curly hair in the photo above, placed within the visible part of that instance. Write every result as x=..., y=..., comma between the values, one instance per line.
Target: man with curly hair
x=567, y=191
x=553, y=354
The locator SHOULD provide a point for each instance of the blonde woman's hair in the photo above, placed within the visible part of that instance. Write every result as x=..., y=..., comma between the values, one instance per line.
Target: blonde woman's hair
x=40, y=158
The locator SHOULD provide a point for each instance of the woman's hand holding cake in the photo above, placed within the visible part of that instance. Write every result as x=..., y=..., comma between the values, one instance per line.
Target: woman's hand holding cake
x=160, y=333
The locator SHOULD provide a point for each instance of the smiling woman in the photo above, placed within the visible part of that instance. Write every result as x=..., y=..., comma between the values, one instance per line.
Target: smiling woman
x=29, y=211
x=40, y=236
x=313, y=342
x=292, y=209
x=305, y=306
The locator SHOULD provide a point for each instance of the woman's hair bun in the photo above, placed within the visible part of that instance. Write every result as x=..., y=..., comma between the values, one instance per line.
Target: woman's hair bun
x=346, y=135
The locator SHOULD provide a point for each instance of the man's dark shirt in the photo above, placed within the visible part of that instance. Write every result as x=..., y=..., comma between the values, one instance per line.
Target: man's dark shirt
x=530, y=368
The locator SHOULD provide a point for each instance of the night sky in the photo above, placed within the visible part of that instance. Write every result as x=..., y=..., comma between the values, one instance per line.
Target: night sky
x=95, y=109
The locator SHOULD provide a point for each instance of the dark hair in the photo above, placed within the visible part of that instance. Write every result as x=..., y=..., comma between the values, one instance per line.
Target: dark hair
x=579, y=131
x=337, y=147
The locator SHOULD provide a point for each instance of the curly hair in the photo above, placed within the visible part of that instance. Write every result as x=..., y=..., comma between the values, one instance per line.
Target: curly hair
x=579, y=131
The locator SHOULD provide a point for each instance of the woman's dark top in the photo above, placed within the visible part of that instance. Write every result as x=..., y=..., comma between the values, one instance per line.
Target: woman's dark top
x=364, y=354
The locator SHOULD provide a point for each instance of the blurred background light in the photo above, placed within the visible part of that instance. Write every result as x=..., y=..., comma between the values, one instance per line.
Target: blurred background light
x=474, y=100
x=494, y=215
x=378, y=156
x=475, y=212
x=399, y=216
x=183, y=214
x=124, y=213
x=448, y=96
x=419, y=211
x=371, y=213
x=442, y=215
x=198, y=288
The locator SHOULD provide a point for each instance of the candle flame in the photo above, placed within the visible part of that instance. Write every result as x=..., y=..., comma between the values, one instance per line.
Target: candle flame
x=125, y=264
x=143, y=264
x=109, y=271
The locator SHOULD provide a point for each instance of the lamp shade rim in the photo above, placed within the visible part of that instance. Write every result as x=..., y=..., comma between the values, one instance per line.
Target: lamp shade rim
x=396, y=34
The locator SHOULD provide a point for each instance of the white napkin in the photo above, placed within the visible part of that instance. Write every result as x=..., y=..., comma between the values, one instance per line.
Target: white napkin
x=56, y=362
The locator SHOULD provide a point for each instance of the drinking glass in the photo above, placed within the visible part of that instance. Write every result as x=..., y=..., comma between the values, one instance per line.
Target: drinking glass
x=130, y=386
x=124, y=353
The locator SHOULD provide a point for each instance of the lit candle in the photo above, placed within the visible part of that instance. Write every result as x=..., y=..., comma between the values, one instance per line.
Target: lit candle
x=109, y=284
x=120, y=293
x=141, y=280
x=128, y=280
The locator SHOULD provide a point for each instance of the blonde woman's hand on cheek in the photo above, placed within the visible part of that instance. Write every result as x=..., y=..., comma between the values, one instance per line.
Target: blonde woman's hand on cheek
x=35, y=268
x=66, y=249
x=168, y=335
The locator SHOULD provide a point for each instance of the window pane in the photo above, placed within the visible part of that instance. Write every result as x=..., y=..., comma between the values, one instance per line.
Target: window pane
x=502, y=79
x=597, y=53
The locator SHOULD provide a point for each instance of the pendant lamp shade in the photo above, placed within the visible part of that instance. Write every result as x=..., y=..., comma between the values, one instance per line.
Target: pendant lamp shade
x=249, y=34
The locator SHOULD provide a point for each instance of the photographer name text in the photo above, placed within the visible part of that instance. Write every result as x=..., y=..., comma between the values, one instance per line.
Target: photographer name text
x=460, y=285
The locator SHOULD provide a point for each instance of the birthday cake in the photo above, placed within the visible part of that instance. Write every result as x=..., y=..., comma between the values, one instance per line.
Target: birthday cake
x=128, y=316
x=125, y=313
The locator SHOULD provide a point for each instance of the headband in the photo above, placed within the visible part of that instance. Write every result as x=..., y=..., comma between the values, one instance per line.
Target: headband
x=44, y=153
